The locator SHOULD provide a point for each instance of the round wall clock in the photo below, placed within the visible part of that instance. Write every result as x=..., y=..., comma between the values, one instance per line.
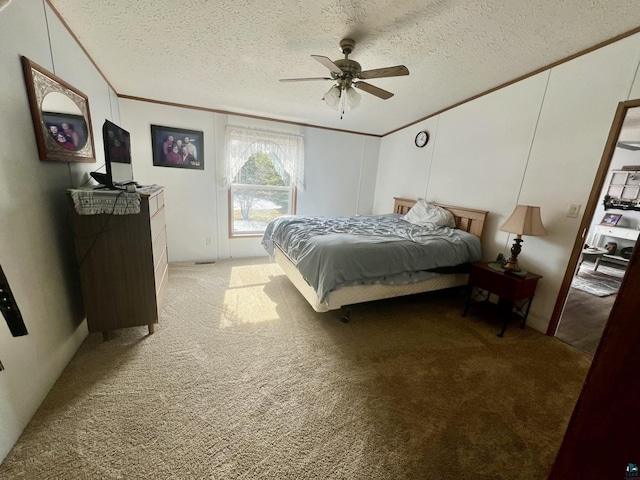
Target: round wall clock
x=422, y=138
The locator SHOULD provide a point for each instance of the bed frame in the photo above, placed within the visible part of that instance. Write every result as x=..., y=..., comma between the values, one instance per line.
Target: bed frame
x=469, y=220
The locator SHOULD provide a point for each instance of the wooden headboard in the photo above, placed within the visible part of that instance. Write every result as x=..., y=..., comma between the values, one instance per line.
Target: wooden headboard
x=467, y=219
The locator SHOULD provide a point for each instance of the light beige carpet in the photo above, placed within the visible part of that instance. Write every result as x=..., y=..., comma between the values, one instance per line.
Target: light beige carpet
x=242, y=380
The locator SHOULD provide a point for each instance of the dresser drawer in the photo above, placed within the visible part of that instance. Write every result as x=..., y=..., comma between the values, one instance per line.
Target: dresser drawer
x=156, y=202
x=157, y=224
x=161, y=292
x=159, y=245
x=153, y=205
x=161, y=266
x=160, y=199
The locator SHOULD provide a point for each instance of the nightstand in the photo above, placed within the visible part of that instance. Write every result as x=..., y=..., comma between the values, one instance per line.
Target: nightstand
x=516, y=291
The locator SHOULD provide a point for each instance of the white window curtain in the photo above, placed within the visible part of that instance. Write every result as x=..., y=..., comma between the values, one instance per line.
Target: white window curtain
x=242, y=142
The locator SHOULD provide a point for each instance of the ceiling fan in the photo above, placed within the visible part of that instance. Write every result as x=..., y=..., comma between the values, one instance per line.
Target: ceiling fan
x=347, y=74
x=629, y=145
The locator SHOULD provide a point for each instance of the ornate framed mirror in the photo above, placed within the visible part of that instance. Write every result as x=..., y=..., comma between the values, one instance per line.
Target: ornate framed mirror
x=61, y=119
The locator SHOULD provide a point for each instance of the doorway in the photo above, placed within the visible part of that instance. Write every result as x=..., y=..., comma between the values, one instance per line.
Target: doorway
x=597, y=263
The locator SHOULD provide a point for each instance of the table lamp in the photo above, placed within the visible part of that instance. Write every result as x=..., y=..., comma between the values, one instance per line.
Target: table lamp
x=525, y=220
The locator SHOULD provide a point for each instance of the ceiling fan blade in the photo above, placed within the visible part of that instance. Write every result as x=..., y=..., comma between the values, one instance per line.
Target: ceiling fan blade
x=378, y=92
x=309, y=79
x=327, y=62
x=396, y=71
x=629, y=145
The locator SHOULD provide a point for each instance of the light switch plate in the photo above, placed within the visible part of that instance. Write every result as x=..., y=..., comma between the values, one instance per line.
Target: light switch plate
x=573, y=210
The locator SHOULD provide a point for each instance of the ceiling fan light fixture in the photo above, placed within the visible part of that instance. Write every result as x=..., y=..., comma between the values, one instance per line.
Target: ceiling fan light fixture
x=353, y=98
x=332, y=97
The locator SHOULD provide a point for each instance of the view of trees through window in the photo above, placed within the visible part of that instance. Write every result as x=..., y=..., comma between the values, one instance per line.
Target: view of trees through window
x=261, y=191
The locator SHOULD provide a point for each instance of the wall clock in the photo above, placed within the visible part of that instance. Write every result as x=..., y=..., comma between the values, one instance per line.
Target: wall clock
x=422, y=138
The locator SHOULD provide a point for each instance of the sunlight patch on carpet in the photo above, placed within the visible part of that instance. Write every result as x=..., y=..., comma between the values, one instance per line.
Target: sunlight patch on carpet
x=247, y=305
x=250, y=275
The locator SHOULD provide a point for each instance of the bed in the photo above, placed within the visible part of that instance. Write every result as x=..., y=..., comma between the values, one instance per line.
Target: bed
x=392, y=234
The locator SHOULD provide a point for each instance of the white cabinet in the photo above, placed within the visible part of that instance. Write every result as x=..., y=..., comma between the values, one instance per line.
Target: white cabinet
x=613, y=232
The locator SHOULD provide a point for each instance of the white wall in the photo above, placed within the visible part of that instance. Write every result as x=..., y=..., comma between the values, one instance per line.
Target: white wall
x=481, y=153
x=635, y=88
x=190, y=195
x=339, y=168
x=340, y=173
x=575, y=120
x=538, y=142
x=36, y=245
x=403, y=168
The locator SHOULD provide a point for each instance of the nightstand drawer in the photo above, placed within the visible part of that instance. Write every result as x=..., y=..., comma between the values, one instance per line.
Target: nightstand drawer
x=506, y=285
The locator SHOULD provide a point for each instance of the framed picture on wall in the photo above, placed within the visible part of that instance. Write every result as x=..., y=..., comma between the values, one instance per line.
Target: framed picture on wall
x=60, y=114
x=70, y=131
x=177, y=147
x=611, y=219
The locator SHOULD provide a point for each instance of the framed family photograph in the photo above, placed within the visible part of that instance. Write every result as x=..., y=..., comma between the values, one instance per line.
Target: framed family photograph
x=611, y=219
x=68, y=130
x=177, y=147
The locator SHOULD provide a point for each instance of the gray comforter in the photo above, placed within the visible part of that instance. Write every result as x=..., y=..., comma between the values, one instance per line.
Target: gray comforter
x=331, y=252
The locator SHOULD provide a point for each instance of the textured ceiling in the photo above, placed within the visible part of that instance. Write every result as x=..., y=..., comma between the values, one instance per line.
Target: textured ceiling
x=229, y=54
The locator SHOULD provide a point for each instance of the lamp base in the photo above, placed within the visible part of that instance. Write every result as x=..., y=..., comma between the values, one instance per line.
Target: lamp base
x=511, y=266
x=512, y=263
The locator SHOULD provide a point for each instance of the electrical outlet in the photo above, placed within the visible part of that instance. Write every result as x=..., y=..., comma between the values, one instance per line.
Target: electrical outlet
x=573, y=210
x=207, y=241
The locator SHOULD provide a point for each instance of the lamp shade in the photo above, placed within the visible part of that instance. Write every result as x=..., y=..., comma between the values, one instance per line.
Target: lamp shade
x=353, y=98
x=332, y=97
x=525, y=220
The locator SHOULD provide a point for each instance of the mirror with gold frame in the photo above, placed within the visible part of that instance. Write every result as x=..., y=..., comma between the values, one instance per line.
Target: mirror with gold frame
x=60, y=114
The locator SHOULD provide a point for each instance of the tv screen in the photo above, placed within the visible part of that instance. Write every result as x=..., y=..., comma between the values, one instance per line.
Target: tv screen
x=117, y=149
x=117, y=143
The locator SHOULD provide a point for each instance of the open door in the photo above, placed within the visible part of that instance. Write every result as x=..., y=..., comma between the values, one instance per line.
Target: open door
x=594, y=199
x=601, y=440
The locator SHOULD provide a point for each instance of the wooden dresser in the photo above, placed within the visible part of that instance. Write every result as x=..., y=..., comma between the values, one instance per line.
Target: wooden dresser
x=123, y=265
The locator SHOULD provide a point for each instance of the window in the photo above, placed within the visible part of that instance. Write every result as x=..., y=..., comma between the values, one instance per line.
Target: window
x=263, y=171
x=259, y=193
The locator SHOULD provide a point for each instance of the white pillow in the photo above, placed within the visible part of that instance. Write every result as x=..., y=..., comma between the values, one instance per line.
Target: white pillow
x=423, y=213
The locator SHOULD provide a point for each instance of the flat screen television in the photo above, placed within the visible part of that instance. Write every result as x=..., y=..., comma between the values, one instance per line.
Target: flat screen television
x=117, y=149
